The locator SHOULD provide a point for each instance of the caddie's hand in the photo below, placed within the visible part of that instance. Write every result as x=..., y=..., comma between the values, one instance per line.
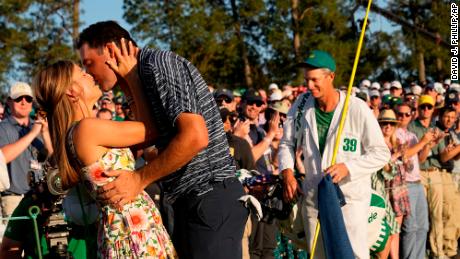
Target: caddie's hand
x=126, y=186
x=290, y=186
x=126, y=58
x=337, y=172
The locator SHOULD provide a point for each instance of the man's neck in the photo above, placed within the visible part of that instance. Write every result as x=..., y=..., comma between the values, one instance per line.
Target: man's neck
x=22, y=121
x=328, y=101
x=426, y=122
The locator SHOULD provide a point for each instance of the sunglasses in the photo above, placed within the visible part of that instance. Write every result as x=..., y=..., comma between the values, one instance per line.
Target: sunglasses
x=220, y=100
x=29, y=99
x=386, y=123
x=404, y=114
x=375, y=97
x=257, y=103
x=425, y=107
x=409, y=98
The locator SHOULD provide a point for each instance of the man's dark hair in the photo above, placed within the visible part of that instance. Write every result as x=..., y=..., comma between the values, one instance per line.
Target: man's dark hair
x=101, y=33
x=445, y=110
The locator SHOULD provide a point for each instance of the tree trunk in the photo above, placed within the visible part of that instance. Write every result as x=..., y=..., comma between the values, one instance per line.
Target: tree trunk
x=244, y=54
x=421, y=68
x=295, y=28
x=75, y=19
x=299, y=80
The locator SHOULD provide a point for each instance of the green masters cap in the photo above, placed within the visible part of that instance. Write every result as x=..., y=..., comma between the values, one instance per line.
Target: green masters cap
x=319, y=59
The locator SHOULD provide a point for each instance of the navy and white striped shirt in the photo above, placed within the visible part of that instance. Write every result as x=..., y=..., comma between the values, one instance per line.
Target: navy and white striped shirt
x=173, y=86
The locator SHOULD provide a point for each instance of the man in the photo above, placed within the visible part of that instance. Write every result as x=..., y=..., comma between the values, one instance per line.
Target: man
x=119, y=113
x=448, y=193
x=224, y=98
x=194, y=161
x=104, y=114
x=415, y=226
x=263, y=237
x=22, y=145
x=362, y=151
x=430, y=170
x=396, y=89
x=375, y=102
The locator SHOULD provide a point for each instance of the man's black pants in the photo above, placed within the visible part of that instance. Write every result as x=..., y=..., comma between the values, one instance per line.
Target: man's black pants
x=211, y=225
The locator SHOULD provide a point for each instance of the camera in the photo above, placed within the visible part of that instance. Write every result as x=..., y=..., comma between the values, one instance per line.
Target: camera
x=47, y=193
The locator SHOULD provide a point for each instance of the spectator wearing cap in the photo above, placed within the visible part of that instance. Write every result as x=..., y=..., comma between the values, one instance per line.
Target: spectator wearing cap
x=224, y=98
x=104, y=114
x=396, y=89
x=236, y=97
x=429, y=90
x=414, y=228
x=119, y=112
x=281, y=109
x=375, y=86
x=386, y=86
x=416, y=90
x=262, y=240
x=362, y=152
x=430, y=170
x=276, y=96
x=107, y=103
x=272, y=88
x=439, y=89
x=446, y=83
x=453, y=100
x=365, y=83
x=375, y=102
x=24, y=143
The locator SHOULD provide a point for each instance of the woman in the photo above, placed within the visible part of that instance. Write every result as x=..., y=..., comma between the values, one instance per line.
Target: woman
x=87, y=147
x=393, y=180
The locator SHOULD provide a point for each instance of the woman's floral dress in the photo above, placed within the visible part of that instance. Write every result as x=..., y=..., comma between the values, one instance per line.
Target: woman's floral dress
x=137, y=230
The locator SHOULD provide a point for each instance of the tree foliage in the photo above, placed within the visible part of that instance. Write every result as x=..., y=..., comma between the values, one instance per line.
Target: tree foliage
x=235, y=43
x=33, y=34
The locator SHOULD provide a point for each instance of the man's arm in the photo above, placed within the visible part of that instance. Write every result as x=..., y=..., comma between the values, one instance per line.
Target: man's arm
x=47, y=138
x=191, y=138
x=259, y=149
x=13, y=150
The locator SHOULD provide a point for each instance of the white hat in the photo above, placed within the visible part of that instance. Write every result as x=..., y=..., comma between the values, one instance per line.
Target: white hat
x=447, y=81
x=19, y=89
x=439, y=88
x=385, y=92
x=365, y=83
x=386, y=86
x=375, y=86
x=396, y=84
x=273, y=86
x=277, y=95
x=416, y=89
x=374, y=93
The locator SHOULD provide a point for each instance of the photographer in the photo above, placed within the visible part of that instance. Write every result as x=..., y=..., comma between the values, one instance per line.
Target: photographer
x=22, y=141
x=58, y=238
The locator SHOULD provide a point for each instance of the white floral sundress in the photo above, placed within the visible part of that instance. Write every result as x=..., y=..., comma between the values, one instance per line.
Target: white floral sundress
x=135, y=232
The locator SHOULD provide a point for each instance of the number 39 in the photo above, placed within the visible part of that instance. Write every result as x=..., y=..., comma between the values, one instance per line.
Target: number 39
x=349, y=145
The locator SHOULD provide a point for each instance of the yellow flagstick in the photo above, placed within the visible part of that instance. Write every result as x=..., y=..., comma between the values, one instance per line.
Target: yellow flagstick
x=344, y=112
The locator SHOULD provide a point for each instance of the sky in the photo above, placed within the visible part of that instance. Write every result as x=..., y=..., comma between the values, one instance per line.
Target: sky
x=113, y=10
x=101, y=10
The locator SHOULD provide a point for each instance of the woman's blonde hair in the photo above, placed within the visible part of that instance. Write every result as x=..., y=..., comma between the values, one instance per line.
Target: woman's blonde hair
x=50, y=87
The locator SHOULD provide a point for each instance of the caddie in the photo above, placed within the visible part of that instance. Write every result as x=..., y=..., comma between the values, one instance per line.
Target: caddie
x=312, y=126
